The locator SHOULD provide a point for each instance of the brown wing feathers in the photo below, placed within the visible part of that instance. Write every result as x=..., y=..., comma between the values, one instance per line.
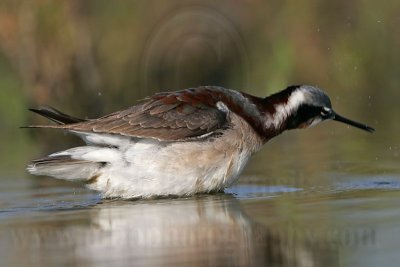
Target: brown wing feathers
x=164, y=116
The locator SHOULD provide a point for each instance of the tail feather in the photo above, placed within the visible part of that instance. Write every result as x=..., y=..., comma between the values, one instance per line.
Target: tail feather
x=65, y=167
x=75, y=164
x=55, y=115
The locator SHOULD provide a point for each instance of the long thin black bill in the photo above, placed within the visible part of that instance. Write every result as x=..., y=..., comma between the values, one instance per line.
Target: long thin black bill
x=353, y=123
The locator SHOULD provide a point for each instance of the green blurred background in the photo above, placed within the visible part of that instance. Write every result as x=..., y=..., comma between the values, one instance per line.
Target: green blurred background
x=89, y=58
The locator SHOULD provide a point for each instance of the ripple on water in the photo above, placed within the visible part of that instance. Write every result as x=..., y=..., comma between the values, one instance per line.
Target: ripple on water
x=23, y=203
x=243, y=191
x=369, y=183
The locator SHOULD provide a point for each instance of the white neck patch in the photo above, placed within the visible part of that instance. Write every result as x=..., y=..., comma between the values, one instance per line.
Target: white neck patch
x=282, y=111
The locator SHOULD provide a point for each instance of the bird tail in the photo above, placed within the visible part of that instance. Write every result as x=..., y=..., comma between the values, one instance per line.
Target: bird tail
x=70, y=164
x=54, y=115
x=65, y=167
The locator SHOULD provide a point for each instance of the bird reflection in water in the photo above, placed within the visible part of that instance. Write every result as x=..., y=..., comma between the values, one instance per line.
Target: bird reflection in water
x=202, y=231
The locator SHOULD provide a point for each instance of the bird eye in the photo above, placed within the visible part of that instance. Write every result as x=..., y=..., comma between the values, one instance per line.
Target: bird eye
x=326, y=112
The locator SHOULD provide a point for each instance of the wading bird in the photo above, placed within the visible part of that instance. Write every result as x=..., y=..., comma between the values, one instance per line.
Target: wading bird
x=180, y=143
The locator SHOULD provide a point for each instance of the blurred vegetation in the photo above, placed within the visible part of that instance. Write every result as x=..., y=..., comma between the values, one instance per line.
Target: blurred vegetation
x=89, y=58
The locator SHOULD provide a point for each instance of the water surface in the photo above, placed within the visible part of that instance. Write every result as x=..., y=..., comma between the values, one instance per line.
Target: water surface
x=288, y=209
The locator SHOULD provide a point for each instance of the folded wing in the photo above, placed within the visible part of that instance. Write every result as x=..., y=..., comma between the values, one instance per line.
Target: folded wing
x=171, y=116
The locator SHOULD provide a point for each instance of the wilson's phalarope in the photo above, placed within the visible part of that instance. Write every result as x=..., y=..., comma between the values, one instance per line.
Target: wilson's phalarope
x=180, y=143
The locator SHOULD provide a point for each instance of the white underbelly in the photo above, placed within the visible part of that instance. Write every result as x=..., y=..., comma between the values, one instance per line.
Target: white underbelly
x=147, y=169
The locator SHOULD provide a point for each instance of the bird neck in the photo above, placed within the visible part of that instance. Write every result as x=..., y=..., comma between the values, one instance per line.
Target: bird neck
x=268, y=116
x=279, y=110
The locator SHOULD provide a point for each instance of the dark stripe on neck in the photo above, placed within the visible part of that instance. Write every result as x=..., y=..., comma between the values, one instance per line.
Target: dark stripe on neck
x=279, y=98
x=303, y=114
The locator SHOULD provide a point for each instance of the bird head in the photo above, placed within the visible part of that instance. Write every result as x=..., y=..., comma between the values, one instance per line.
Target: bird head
x=305, y=106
